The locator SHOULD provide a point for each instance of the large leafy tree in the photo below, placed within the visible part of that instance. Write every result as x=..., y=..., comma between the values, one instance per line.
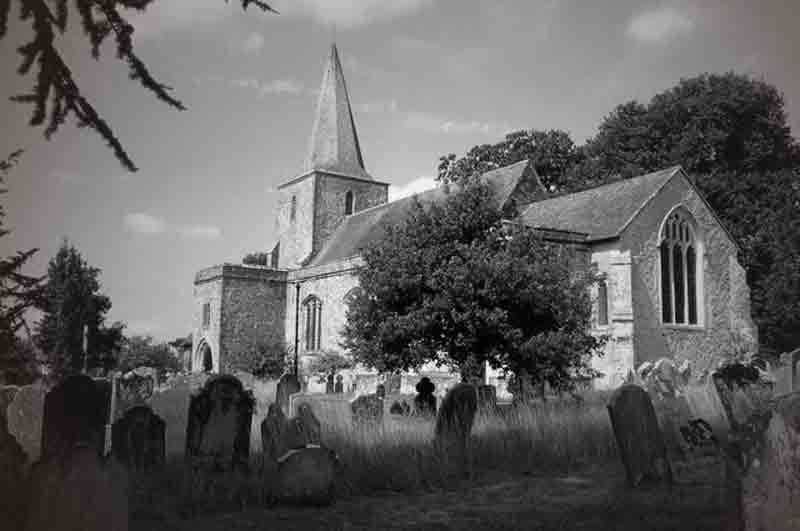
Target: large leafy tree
x=456, y=286
x=55, y=91
x=18, y=293
x=70, y=302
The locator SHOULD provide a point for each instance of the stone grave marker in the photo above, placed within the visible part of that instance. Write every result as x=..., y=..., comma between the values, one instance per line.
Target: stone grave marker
x=704, y=403
x=218, y=429
x=771, y=485
x=78, y=490
x=306, y=476
x=367, y=411
x=454, y=423
x=639, y=439
x=273, y=435
x=287, y=386
x=75, y=411
x=745, y=391
x=425, y=401
x=138, y=438
x=24, y=417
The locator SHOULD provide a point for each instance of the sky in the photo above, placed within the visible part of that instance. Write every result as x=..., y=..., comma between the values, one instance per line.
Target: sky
x=425, y=77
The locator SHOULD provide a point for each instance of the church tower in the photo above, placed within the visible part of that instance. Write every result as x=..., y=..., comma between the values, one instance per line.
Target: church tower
x=335, y=182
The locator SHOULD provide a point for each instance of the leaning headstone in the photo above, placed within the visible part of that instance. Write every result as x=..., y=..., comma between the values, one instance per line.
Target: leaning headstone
x=218, y=429
x=306, y=476
x=273, y=434
x=287, y=386
x=425, y=401
x=771, y=486
x=78, y=490
x=639, y=439
x=13, y=465
x=75, y=410
x=24, y=416
x=138, y=439
x=454, y=421
x=367, y=411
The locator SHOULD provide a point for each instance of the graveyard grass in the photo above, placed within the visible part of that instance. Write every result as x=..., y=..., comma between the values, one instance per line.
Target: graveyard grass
x=552, y=466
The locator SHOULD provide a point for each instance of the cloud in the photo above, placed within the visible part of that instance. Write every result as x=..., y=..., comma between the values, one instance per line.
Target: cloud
x=210, y=232
x=416, y=186
x=350, y=13
x=378, y=106
x=143, y=223
x=435, y=124
x=658, y=25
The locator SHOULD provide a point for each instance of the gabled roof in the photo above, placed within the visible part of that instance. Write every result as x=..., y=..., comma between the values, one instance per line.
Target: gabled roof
x=334, y=142
x=355, y=232
x=602, y=212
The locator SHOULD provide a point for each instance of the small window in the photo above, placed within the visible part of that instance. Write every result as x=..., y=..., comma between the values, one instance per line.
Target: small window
x=348, y=203
x=206, y=315
x=602, y=303
x=293, y=211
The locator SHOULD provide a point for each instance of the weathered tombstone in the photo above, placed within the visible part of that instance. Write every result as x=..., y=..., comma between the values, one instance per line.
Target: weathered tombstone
x=487, y=397
x=138, y=438
x=639, y=439
x=367, y=411
x=24, y=416
x=329, y=386
x=425, y=401
x=771, y=486
x=75, y=410
x=309, y=425
x=339, y=386
x=78, y=490
x=287, y=386
x=454, y=422
x=13, y=463
x=273, y=435
x=380, y=391
x=705, y=403
x=218, y=430
x=307, y=476
x=746, y=394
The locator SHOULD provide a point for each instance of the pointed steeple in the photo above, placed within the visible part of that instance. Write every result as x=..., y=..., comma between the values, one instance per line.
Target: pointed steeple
x=334, y=141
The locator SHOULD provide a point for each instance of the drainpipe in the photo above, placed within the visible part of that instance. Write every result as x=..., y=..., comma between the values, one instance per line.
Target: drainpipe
x=296, y=328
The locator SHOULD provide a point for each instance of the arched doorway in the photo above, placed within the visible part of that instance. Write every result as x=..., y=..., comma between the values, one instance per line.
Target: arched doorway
x=204, y=358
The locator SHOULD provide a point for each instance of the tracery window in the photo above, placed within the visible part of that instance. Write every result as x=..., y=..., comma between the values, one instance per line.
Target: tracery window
x=312, y=309
x=680, y=270
x=348, y=203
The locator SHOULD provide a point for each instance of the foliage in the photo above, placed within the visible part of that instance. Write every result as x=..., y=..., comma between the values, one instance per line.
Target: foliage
x=454, y=279
x=258, y=258
x=54, y=79
x=328, y=364
x=70, y=301
x=141, y=351
x=267, y=359
x=18, y=293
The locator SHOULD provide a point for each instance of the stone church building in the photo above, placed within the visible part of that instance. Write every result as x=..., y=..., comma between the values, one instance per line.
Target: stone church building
x=672, y=286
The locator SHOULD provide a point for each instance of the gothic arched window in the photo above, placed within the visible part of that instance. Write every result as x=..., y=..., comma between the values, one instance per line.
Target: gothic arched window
x=348, y=203
x=680, y=270
x=602, y=303
x=293, y=211
x=312, y=309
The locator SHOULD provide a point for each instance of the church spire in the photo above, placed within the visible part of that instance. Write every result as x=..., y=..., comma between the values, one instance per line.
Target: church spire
x=334, y=141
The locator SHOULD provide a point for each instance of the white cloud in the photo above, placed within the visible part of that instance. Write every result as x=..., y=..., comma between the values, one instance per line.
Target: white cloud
x=435, y=124
x=210, y=232
x=658, y=25
x=416, y=186
x=143, y=223
x=350, y=13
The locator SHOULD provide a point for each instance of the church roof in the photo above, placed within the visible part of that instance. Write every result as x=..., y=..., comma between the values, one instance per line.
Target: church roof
x=601, y=212
x=334, y=142
x=361, y=228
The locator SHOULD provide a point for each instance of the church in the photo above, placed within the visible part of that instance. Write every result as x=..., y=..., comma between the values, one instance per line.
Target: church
x=671, y=286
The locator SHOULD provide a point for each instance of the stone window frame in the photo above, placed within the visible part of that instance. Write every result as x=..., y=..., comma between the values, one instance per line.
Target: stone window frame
x=603, y=313
x=682, y=235
x=293, y=209
x=206, y=317
x=349, y=203
x=312, y=323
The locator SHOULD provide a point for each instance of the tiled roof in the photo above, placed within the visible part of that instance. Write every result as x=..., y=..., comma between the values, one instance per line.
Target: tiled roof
x=601, y=212
x=368, y=225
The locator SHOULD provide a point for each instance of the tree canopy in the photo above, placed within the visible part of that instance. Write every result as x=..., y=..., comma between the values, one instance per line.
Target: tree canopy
x=55, y=91
x=455, y=285
x=142, y=351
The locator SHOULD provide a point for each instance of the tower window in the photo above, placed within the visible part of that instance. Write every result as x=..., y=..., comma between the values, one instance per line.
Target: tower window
x=348, y=203
x=206, y=315
x=312, y=308
x=293, y=211
x=680, y=270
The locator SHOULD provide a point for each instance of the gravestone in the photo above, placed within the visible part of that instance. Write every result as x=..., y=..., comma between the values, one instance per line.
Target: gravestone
x=13, y=465
x=771, y=485
x=307, y=476
x=639, y=439
x=273, y=435
x=704, y=403
x=75, y=411
x=339, y=386
x=329, y=386
x=218, y=429
x=138, y=438
x=367, y=411
x=24, y=416
x=287, y=386
x=308, y=424
x=425, y=401
x=78, y=490
x=487, y=397
x=454, y=422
